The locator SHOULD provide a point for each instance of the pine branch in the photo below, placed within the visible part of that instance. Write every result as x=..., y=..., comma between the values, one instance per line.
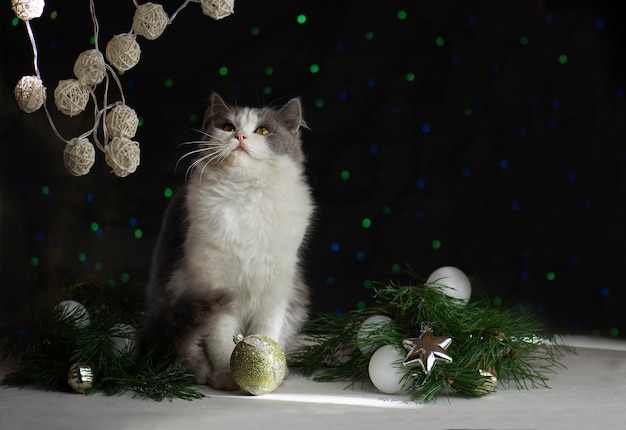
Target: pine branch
x=513, y=346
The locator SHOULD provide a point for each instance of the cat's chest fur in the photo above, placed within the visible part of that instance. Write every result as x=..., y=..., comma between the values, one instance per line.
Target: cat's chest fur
x=244, y=232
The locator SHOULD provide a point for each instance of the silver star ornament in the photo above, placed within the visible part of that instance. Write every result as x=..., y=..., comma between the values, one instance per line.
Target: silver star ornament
x=426, y=349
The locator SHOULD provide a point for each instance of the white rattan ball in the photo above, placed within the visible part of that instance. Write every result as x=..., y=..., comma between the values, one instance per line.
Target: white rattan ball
x=71, y=97
x=30, y=93
x=28, y=9
x=89, y=67
x=122, y=121
x=150, y=20
x=123, y=51
x=79, y=156
x=122, y=155
x=218, y=9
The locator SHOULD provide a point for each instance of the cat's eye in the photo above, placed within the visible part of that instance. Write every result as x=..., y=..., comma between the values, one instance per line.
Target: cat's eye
x=263, y=131
x=228, y=127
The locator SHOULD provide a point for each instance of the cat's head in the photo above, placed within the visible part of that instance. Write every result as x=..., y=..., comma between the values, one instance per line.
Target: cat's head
x=242, y=136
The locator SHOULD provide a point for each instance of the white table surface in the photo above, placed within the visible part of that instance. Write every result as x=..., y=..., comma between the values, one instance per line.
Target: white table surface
x=590, y=394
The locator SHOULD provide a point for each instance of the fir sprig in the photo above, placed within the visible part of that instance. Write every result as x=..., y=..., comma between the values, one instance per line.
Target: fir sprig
x=58, y=338
x=514, y=346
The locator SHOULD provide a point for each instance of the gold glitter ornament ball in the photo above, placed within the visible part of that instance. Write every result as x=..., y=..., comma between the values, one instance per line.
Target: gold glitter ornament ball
x=258, y=364
x=30, y=93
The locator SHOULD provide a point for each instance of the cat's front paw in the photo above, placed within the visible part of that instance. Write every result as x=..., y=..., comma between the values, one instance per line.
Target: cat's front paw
x=223, y=380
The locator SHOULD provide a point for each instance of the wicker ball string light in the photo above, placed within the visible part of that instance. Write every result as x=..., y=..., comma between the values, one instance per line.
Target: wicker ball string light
x=79, y=156
x=27, y=9
x=218, y=9
x=119, y=122
x=30, y=93
x=150, y=20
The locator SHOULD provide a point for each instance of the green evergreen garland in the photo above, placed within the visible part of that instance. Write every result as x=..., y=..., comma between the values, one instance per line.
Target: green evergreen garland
x=515, y=346
x=57, y=339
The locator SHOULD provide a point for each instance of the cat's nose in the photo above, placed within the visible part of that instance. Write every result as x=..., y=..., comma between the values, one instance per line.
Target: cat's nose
x=241, y=135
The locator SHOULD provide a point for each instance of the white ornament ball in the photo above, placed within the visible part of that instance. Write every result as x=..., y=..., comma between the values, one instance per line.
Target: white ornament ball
x=71, y=97
x=79, y=156
x=123, y=51
x=89, y=67
x=30, y=93
x=386, y=370
x=370, y=330
x=150, y=20
x=218, y=9
x=452, y=282
x=27, y=9
x=122, y=121
x=123, y=338
x=122, y=155
x=76, y=310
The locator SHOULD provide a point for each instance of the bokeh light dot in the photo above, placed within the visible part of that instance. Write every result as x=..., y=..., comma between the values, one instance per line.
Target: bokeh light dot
x=360, y=256
x=138, y=233
x=563, y=59
x=314, y=68
x=436, y=244
x=168, y=83
x=361, y=304
x=168, y=192
x=366, y=223
x=497, y=301
x=54, y=14
x=193, y=117
x=319, y=103
x=367, y=284
x=269, y=71
x=92, y=40
x=614, y=332
x=98, y=265
x=82, y=257
x=125, y=277
x=95, y=226
x=34, y=261
x=402, y=15
x=267, y=90
x=550, y=276
x=386, y=210
x=345, y=175
x=334, y=247
x=410, y=77
x=330, y=281
x=133, y=221
x=255, y=31
x=395, y=268
x=369, y=35
x=523, y=41
x=604, y=291
x=15, y=21
x=440, y=41
x=223, y=71
x=301, y=19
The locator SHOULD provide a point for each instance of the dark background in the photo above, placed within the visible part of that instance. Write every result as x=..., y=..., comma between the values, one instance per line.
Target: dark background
x=489, y=135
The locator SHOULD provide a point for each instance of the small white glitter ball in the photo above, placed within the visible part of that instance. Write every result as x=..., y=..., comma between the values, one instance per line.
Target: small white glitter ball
x=28, y=9
x=386, y=371
x=71, y=97
x=123, y=52
x=218, y=9
x=150, y=20
x=89, y=67
x=452, y=282
x=30, y=93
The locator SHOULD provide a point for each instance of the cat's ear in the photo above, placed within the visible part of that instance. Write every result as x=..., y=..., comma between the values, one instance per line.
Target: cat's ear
x=291, y=115
x=218, y=108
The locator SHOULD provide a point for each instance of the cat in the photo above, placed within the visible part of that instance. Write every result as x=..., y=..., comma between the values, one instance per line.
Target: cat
x=228, y=257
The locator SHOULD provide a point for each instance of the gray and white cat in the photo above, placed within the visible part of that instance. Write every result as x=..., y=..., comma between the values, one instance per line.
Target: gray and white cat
x=227, y=261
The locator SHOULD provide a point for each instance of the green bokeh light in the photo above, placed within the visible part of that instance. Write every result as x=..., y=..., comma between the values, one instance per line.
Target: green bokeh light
x=255, y=31
x=402, y=14
x=34, y=261
x=550, y=276
x=168, y=82
x=563, y=59
x=138, y=233
x=301, y=19
x=436, y=244
x=369, y=35
x=366, y=223
x=345, y=175
x=168, y=192
x=319, y=103
x=440, y=41
x=314, y=68
x=223, y=71
x=410, y=77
